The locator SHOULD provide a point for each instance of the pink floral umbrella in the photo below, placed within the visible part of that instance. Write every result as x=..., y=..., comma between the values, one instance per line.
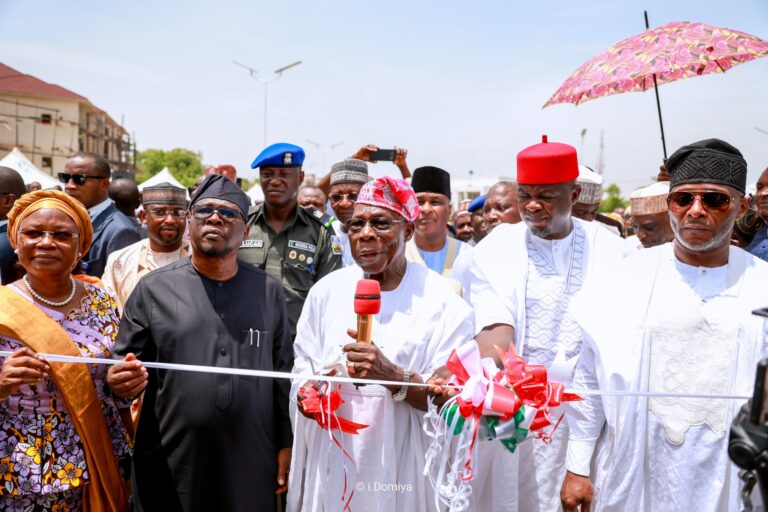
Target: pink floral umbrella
x=671, y=52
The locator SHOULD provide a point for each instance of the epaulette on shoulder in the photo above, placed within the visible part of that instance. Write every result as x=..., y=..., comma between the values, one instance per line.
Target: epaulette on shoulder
x=322, y=218
x=253, y=210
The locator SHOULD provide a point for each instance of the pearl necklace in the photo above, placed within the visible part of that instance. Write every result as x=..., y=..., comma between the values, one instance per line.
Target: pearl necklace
x=42, y=299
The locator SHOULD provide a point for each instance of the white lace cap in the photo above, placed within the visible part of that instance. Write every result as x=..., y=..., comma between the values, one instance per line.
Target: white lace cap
x=591, y=185
x=651, y=199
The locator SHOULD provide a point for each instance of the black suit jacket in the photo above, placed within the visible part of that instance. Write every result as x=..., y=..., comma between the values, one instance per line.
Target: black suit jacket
x=8, y=258
x=112, y=231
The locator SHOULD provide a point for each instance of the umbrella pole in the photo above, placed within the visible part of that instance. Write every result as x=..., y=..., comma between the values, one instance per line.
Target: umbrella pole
x=658, y=103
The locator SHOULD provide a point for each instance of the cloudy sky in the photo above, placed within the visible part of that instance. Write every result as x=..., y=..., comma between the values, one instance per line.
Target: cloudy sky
x=460, y=84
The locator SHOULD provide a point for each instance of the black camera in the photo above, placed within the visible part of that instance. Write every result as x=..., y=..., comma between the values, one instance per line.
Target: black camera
x=748, y=441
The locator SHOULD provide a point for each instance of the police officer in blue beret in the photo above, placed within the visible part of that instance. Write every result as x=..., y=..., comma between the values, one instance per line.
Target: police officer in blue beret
x=295, y=245
x=476, y=209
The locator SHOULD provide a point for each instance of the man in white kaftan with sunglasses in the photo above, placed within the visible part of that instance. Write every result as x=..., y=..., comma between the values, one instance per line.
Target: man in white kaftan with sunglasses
x=684, y=325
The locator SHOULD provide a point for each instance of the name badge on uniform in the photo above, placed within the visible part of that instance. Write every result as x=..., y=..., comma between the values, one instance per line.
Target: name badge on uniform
x=302, y=246
x=249, y=243
x=336, y=246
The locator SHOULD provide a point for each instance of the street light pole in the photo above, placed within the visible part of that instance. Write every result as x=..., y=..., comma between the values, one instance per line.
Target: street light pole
x=325, y=151
x=266, y=81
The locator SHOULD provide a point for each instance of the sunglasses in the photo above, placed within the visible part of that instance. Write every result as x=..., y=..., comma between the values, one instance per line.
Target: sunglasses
x=712, y=201
x=337, y=198
x=78, y=179
x=226, y=214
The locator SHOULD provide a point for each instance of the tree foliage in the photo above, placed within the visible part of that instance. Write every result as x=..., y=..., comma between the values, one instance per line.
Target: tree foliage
x=612, y=199
x=248, y=184
x=185, y=165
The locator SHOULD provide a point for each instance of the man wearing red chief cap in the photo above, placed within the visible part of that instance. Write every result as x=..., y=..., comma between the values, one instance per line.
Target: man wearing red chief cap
x=522, y=279
x=421, y=319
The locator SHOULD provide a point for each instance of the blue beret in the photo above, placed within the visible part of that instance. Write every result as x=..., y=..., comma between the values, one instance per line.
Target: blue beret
x=476, y=204
x=281, y=154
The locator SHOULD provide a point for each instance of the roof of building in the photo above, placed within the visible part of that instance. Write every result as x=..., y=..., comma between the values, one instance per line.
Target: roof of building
x=16, y=82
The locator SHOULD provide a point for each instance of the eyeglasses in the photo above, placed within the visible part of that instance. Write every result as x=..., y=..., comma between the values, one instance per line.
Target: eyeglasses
x=379, y=224
x=161, y=213
x=337, y=198
x=226, y=214
x=78, y=179
x=36, y=235
x=712, y=201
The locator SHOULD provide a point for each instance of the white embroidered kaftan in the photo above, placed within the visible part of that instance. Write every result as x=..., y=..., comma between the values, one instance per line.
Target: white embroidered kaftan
x=678, y=329
x=419, y=323
x=527, y=282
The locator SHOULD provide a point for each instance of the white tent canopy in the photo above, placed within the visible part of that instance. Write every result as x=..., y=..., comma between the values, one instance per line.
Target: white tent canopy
x=163, y=176
x=17, y=161
x=256, y=194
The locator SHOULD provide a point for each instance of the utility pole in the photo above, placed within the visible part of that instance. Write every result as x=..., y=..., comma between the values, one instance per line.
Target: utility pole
x=266, y=81
x=600, y=167
x=325, y=150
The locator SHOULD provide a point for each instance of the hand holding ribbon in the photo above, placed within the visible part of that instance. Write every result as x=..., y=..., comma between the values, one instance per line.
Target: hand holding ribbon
x=505, y=404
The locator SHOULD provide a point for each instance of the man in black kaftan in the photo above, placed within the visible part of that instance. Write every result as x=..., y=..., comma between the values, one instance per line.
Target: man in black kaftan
x=207, y=441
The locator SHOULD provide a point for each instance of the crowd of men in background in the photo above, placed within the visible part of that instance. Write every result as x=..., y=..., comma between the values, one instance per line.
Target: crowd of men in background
x=643, y=224
x=300, y=234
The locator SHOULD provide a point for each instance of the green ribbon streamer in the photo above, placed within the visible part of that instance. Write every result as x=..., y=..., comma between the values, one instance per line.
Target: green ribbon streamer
x=489, y=423
x=450, y=413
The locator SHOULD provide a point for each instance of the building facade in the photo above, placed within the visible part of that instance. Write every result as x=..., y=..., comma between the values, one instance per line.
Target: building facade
x=49, y=123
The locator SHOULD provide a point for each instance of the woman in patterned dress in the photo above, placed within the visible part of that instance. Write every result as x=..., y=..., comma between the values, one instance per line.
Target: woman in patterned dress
x=54, y=452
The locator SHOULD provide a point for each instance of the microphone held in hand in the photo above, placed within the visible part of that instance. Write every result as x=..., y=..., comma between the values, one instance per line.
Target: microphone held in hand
x=367, y=304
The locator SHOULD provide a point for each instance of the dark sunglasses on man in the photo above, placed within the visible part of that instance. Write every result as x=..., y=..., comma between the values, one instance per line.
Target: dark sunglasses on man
x=710, y=200
x=226, y=214
x=78, y=179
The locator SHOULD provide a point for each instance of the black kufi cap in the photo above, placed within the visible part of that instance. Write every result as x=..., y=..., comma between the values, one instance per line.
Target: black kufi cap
x=216, y=186
x=431, y=179
x=708, y=161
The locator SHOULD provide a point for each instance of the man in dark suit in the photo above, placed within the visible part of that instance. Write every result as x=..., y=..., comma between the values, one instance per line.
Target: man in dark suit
x=11, y=188
x=86, y=178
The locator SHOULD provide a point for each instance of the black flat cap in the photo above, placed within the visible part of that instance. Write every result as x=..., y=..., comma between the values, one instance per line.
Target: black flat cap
x=708, y=161
x=217, y=186
x=431, y=179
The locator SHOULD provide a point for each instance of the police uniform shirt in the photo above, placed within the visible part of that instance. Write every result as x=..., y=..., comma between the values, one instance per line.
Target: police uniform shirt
x=305, y=250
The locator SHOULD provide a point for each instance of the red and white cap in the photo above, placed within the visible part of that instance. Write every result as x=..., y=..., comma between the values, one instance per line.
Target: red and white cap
x=393, y=194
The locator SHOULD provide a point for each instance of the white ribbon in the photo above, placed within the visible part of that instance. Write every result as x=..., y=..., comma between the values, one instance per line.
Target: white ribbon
x=350, y=380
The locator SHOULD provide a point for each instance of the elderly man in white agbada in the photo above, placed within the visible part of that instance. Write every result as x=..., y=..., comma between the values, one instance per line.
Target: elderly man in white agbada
x=421, y=320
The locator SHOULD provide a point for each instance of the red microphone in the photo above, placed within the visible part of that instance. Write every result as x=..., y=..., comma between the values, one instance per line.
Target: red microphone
x=367, y=304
